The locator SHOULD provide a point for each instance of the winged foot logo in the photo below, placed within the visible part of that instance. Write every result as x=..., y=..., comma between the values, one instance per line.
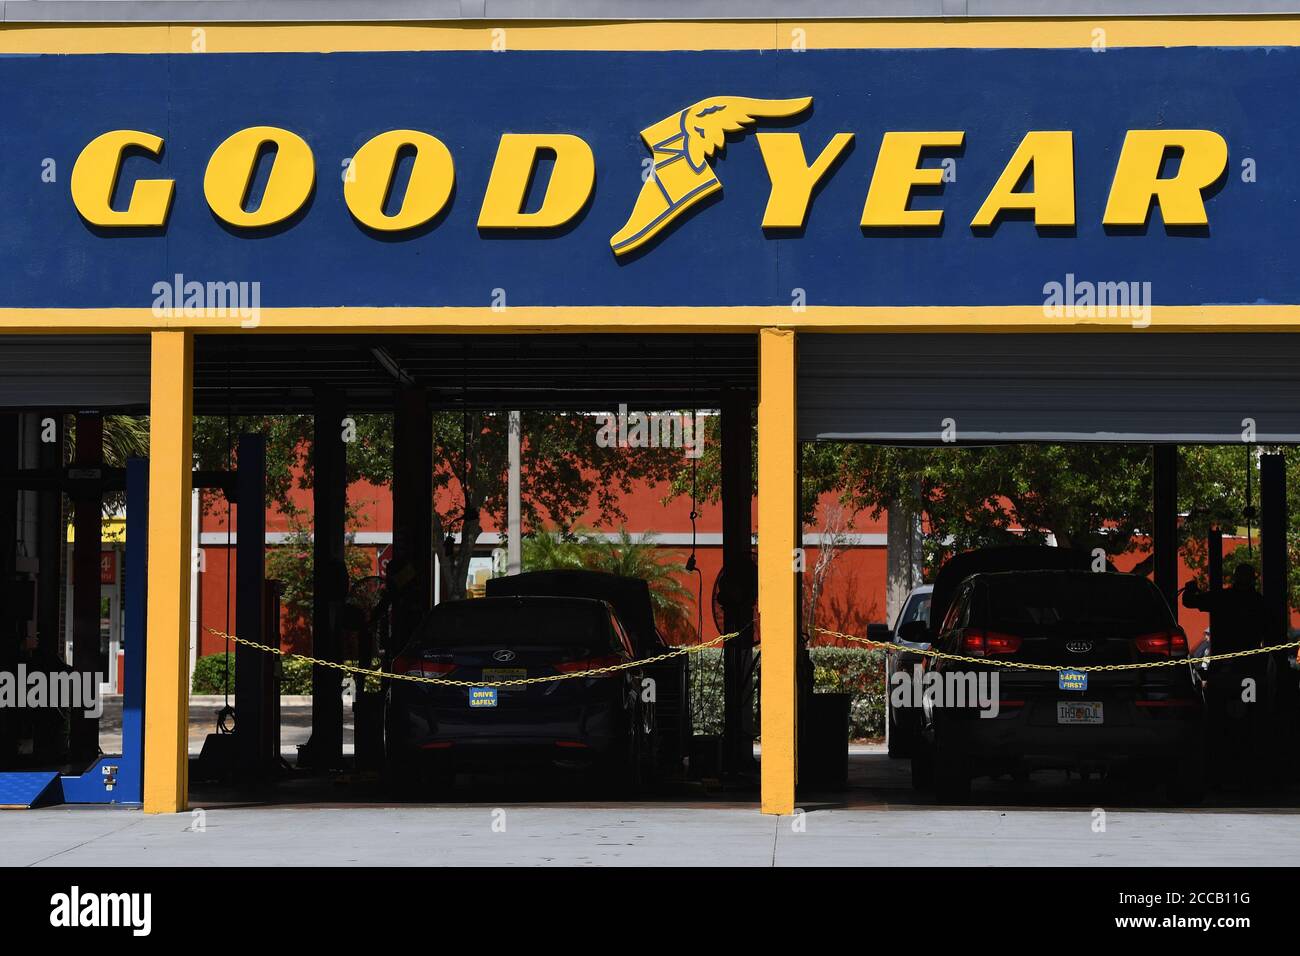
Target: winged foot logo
x=681, y=145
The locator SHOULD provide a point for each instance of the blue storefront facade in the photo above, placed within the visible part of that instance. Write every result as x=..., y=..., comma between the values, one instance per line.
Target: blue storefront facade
x=916, y=175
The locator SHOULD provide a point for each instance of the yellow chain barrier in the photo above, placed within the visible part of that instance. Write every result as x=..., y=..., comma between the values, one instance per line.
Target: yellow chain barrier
x=448, y=682
x=722, y=638
x=1020, y=665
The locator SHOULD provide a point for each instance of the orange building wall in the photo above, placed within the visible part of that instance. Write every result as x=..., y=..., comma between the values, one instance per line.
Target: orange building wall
x=853, y=595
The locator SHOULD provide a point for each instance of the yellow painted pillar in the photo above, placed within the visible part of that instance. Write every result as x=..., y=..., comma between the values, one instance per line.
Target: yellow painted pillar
x=777, y=523
x=166, y=735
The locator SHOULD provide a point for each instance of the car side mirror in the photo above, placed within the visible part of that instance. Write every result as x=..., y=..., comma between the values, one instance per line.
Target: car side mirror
x=915, y=632
x=879, y=633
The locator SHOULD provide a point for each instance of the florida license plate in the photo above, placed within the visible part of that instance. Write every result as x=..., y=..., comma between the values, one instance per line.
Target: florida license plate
x=1078, y=712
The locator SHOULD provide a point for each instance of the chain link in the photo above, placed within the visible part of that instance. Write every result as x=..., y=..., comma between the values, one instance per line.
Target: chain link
x=722, y=638
x=1019, y=665
x=448, y=682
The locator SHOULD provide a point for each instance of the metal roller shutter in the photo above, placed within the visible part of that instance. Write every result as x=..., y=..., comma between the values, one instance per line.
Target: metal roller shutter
x=71, y=372
x=1140, y=386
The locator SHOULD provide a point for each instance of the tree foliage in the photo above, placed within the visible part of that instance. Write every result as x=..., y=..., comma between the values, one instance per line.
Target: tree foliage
x=1079, y=495
x=292, y=563
x=565, y=474
x=625, y=555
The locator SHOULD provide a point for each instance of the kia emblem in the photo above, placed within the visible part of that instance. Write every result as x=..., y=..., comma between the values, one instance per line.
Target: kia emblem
x=1079, y=647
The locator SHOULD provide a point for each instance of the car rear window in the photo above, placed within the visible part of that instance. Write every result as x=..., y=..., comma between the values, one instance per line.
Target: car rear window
x=1044, y=601
x=518, y=622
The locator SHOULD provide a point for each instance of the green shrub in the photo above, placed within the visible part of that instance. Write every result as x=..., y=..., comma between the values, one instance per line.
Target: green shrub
x=295, y=676
x=706, y=691
x=856, y=671
x=859, y=672
x=210, y=674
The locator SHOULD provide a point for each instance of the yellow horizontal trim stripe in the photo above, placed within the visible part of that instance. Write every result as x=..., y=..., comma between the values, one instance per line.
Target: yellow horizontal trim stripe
x=1053, y=33
x=518, y=319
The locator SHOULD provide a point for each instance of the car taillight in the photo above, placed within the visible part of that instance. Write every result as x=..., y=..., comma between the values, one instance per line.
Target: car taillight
x=588, y=664
x=1162, y=643
x=990, y=643
x=419, y=667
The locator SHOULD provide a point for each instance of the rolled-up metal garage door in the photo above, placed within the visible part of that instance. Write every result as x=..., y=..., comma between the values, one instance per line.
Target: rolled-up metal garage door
x=1139, y=386
x=72, y=372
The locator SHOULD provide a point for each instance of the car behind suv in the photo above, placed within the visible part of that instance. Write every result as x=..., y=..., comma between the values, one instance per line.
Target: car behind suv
x=913, y=619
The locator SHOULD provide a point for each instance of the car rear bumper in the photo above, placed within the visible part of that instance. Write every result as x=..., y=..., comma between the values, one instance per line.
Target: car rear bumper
x=1136, y=736
x=580, y=733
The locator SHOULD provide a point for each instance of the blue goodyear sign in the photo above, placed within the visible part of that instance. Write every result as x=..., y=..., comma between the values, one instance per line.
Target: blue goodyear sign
x=664, y=216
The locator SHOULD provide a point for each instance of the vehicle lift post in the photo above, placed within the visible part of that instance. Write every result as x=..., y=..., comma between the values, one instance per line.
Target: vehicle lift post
x=410, y=577
x=50, y=530
x=10, y=639
x=254, y=669
x=736, y=595
x=115, y=778
x=87, y=507
x=1272, y=545
x=324, y=751
x=1283, y=691
x=120, y=778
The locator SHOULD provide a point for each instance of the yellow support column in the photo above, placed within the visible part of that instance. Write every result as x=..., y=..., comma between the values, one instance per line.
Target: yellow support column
x=777, y=523
x=166, y=735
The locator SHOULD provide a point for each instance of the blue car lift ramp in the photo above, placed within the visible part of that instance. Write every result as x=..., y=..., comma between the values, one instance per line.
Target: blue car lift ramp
x=120, y=778
x=117, y=778
x=26, y=789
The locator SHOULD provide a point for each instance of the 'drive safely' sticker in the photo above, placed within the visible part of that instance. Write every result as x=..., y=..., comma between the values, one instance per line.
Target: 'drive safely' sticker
x=1073, y=680
x=482, y=696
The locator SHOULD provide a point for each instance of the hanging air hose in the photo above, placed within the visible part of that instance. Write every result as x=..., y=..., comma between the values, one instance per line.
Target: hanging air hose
x=693, y=567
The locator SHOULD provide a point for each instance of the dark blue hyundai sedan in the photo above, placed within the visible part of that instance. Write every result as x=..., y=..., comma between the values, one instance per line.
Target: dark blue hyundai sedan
x=599, y=723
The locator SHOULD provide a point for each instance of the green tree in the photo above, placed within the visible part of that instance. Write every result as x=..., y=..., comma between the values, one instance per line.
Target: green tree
x=565, y=473
x=1215, y=477
x=125, y=436
x=292, y=564
x=553, y=551
x=627, y=556
x=288, y=452
x=1082, y=495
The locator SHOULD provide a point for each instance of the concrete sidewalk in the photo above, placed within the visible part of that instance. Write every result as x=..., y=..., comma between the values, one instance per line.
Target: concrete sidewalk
x=641, y=836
